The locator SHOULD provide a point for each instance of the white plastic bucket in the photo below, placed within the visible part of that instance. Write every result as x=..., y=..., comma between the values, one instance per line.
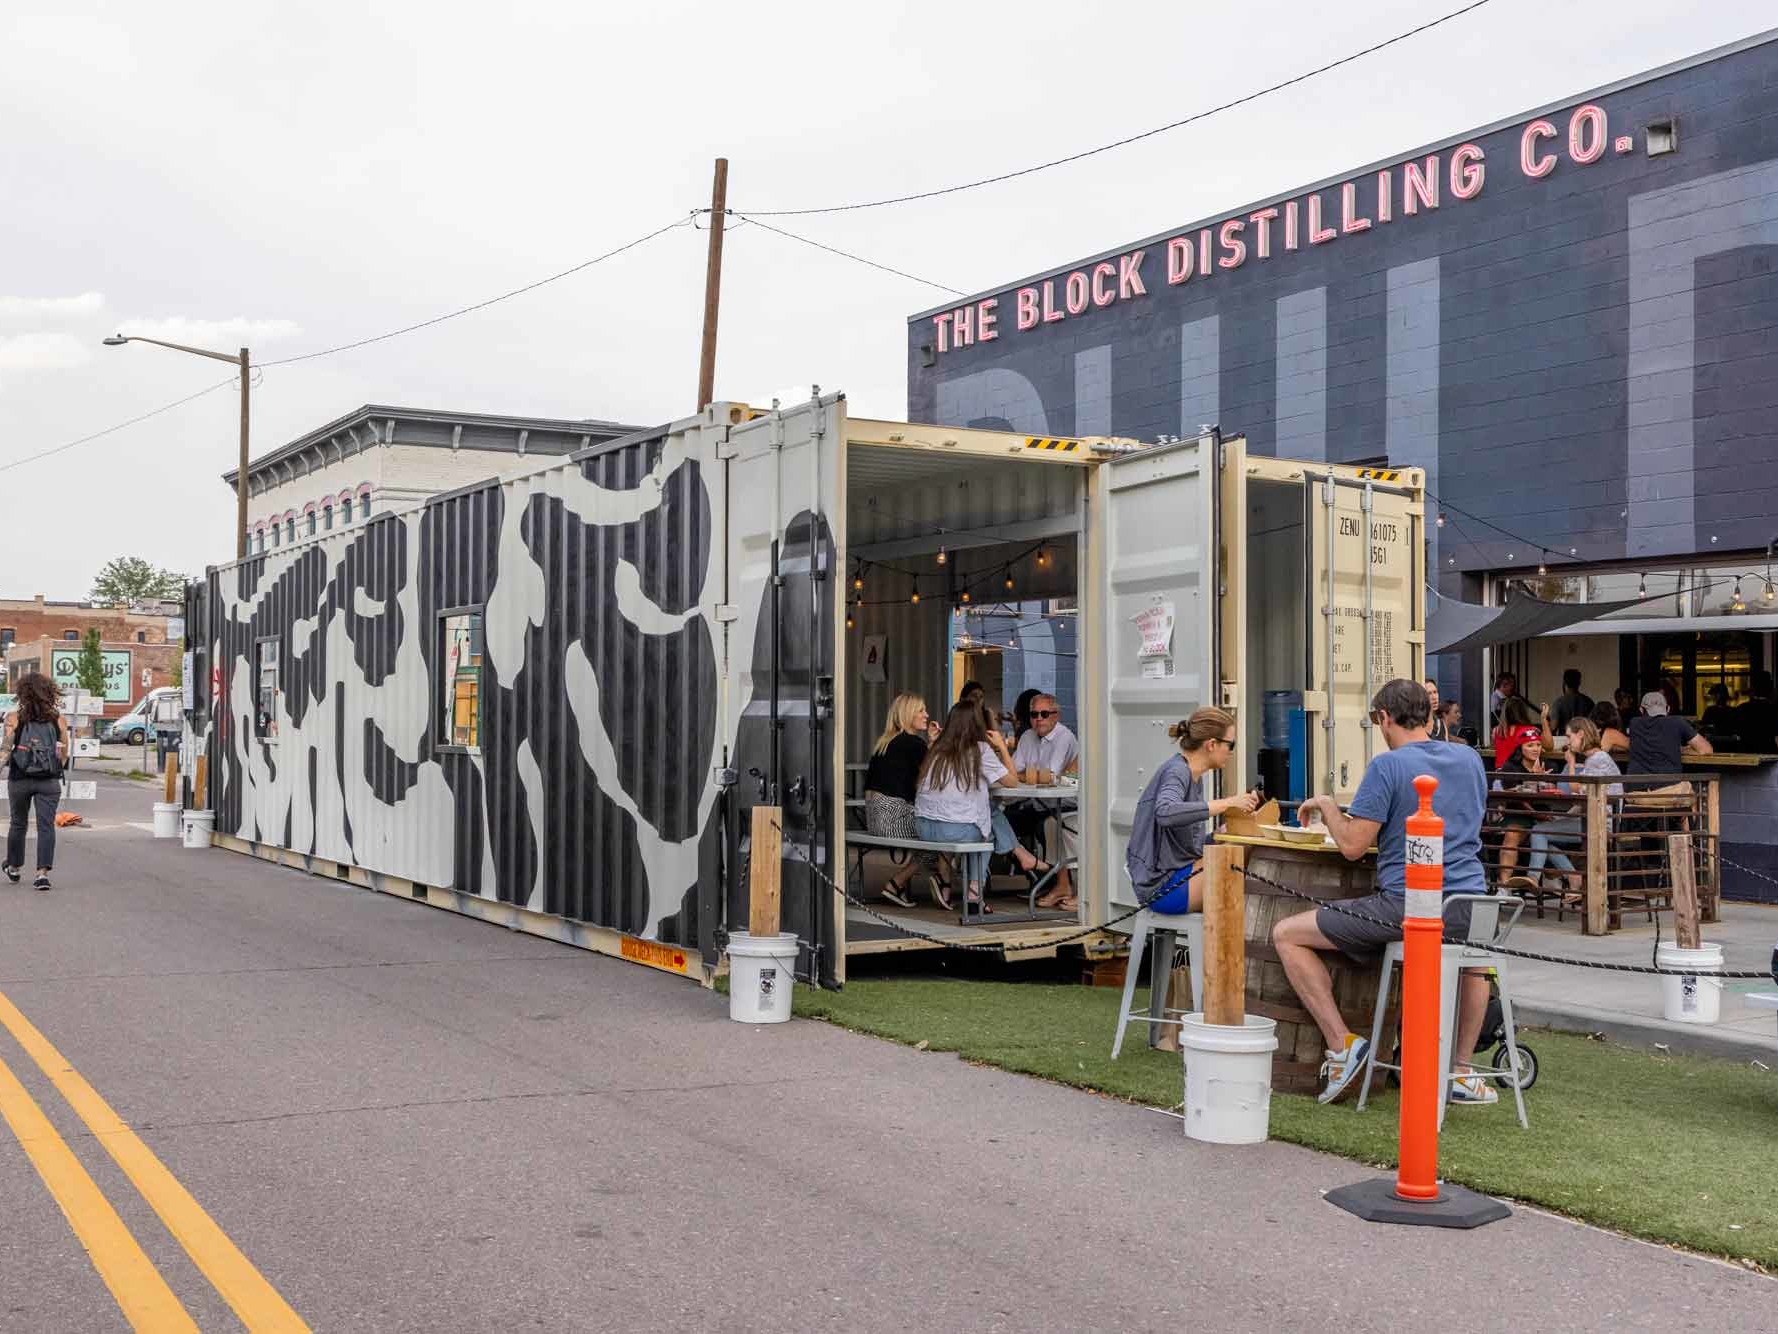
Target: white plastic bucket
x=761, y=971
x=1694, y=998
x=1228, y=1079
x=166, y=819
x=198, y=827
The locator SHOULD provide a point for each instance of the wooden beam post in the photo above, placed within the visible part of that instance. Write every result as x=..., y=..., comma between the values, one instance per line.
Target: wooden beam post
x=1598, y=819
x=1685, y=891
x=200, y=784
x=764, y=867
x=172, y=779
x=1710, y=895
x=1225, y=937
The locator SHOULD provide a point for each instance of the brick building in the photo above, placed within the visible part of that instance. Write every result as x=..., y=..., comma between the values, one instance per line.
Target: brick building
x=135, y=640
x=377, y=458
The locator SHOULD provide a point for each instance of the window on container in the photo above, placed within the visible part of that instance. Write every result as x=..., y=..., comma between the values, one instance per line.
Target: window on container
x=265, y=689
x=364, y=506
x=460, y=712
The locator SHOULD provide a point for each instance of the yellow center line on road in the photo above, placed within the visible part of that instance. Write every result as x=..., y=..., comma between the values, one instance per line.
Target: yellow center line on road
x=243, y=1287
x=141, y=1293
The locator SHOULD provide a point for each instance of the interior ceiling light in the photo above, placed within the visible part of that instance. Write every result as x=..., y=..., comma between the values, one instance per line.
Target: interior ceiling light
x=1043, y=558
x=914, y=596
x=941, y=555
x=1009, y=582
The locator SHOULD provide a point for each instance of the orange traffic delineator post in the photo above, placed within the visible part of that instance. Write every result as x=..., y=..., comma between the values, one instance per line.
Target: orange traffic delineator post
x=1416, y=1196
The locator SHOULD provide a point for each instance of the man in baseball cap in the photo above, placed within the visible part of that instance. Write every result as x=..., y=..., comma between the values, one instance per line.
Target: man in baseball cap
x=1658, y=740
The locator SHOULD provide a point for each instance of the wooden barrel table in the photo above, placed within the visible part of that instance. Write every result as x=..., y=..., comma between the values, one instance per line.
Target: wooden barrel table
x=1324, y=873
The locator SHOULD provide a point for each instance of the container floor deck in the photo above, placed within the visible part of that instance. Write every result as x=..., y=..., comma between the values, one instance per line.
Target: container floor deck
x=1008, y=924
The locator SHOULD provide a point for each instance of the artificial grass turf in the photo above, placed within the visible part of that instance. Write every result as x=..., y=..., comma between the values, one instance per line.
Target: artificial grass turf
x=1674, y=1149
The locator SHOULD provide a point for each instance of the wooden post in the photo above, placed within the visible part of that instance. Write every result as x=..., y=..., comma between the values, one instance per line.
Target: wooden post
x=1225, y=938
x=1710, y=895
x=172, y=777
x=766, y=862
x=1685, y=891
x=713, y=285
x=200, y=783
x=1597, y=821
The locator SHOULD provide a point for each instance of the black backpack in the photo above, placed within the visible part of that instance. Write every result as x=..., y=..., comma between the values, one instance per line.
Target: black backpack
x=34, y=751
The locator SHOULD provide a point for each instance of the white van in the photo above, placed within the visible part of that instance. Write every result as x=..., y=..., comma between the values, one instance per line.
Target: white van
x=138, y=724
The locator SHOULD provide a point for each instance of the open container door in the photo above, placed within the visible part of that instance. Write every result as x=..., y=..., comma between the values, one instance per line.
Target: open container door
x=1154, y=627
x=781, y=484
x=1364, y=613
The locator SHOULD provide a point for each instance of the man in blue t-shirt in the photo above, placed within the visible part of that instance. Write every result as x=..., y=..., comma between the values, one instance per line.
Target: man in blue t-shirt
x=1378, y=816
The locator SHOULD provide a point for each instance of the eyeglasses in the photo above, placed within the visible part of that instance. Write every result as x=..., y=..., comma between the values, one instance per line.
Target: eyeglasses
x=1045, y=713
x=1228, y=741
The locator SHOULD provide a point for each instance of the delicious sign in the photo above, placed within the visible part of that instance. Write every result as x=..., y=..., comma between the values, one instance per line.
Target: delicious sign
x=1396, y=193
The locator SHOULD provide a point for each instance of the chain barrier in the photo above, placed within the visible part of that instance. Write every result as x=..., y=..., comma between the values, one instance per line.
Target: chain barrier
x=1333, y=906
x=1769, y=878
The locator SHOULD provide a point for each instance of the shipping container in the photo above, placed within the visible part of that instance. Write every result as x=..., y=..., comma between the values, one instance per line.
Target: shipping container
x=551, y=700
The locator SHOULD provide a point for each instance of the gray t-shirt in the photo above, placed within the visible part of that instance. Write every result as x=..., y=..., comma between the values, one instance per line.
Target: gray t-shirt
x=1386, y=794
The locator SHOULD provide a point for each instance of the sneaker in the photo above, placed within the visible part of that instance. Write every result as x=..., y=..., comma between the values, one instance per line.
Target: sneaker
x=1474, y=1090
x=897, y=896
x=12, y=873
x=41, y=882
x=1342, y=1068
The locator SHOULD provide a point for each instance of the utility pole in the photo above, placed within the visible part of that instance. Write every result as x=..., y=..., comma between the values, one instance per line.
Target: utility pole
x=712, y=291
x=241, y=475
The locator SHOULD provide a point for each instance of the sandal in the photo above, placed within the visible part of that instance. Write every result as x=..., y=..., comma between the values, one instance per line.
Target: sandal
x=897, y=894
x=937, y=887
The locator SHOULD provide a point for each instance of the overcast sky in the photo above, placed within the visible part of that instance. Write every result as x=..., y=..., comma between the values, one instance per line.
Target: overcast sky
x=299, y=176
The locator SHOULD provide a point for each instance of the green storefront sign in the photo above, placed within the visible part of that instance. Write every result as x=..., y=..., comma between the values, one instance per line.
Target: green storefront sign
x=65, y=670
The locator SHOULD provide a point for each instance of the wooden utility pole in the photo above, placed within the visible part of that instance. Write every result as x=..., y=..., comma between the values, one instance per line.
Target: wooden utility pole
x=1225, y=937
x=241, y=475
x=765, y=863
x=712, y=285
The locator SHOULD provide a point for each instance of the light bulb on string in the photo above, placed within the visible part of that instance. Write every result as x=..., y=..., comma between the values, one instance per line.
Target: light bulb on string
x=858, y=580
x=1737, y=604
x=1543, y=566
x=1642, y=585
x=1770, y=592
x=1009, y=581
x=850, y=623
x=1440, y=521
x=965, y=595
x=914, y=597
x=941, y=555
x=1043, y=558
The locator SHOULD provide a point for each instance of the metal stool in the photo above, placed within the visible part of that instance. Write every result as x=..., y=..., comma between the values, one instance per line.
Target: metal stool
x=1485, y=928
x=1167, y=926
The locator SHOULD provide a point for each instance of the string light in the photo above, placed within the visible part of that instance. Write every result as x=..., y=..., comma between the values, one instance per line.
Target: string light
x=1642, y=585
x=1009, y=581
x=858, y=579
x=966, y=595
x=1770, y=593
x=941, y=555
x=1441, y=519
x=914, y=597
x=850, y=623
x=1043, y=557
x=1737, y=604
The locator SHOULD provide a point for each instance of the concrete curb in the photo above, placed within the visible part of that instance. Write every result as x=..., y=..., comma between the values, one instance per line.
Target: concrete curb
x=1636, y=1031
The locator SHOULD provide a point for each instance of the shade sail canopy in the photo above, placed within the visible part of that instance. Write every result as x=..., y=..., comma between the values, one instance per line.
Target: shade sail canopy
x=1453, y=626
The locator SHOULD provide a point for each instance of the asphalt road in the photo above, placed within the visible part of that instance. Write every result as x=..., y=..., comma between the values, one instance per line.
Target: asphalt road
x=381, y=1116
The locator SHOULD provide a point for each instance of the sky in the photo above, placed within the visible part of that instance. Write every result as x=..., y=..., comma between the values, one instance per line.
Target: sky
x=296, y=177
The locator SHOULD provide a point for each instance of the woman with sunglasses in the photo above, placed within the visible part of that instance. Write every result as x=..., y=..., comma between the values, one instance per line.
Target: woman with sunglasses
x=1172, y=817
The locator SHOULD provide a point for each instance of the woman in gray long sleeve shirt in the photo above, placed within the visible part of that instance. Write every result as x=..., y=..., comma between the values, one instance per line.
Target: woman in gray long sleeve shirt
x=1167, y=837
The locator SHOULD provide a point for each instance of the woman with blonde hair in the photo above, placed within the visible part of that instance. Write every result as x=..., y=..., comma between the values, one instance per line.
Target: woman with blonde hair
x=890, y=783
x=1172, y=817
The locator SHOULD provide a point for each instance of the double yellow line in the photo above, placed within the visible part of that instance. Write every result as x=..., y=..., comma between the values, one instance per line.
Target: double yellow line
x=141, y=1293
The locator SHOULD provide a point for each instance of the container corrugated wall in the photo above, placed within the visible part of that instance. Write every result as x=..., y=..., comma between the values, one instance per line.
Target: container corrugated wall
x=589, y=795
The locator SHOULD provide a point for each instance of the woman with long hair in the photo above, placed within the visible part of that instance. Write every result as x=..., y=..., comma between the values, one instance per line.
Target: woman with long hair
x=1021, y=713
x=35, y=737
x=890, y=784
x=1585, y=756
x=953, y=804
x=1173, y=815
x=1612, y=737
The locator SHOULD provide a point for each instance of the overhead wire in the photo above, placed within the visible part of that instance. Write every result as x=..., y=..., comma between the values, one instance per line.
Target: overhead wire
x=847, y=254
x=756, y=214
x=113, y=429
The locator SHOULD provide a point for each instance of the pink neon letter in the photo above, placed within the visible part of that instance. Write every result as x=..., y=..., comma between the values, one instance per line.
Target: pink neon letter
x=1050, y=313
x=963, y=326
x=1262, y=238
x=1129, y=276
x=1104, y=295
x=1230, y=236
x=1467, y=172
x=1385, y=192
x=986, y=320
x=1419, y=186
x=1318, y=233
x=1076, y=290
x=1027, y=308
x=1179, y=260
x=1204, y=252
x=1290, y=225
x=942, y=323
x=1529, y=162
x=1349, y=220
x=1588, y=120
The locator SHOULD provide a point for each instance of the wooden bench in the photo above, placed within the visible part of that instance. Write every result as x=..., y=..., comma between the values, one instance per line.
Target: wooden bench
x=859, y=844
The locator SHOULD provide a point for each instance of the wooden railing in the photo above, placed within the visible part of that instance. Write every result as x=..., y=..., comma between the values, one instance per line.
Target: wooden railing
x=1622, y=848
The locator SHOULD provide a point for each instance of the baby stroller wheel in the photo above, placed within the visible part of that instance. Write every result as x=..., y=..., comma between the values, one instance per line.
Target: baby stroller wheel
x=1527, y=1065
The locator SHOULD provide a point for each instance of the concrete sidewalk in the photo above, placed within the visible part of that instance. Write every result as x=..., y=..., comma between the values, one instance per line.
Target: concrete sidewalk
x=411, y=1120
x=1627, y=1007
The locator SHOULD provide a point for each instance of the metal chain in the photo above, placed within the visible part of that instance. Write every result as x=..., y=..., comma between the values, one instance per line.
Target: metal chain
x=1502, y=949
x=996, y=948
x=1746, y=870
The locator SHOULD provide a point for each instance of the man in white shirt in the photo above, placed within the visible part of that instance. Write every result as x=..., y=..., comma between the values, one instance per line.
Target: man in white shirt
x=1051, y=746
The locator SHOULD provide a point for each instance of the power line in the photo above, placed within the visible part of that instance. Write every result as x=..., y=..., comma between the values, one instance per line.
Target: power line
x=847, y=254
x=483, y=305
x=756, y=214
x=112, y=430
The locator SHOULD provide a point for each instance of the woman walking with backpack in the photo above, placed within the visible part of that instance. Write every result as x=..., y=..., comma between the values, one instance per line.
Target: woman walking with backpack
x=35, y=735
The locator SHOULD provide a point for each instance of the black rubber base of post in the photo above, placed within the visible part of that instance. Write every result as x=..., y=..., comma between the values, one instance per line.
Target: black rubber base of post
x=1375, y=1201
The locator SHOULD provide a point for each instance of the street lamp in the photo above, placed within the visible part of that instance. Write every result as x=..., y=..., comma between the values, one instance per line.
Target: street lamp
x=243, y=361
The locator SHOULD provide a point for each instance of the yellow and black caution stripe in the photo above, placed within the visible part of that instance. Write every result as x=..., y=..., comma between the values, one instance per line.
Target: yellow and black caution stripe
x=1380, y=474
x=1038, y=442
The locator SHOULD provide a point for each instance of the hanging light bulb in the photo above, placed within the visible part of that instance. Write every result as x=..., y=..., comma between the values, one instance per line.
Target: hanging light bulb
x=1542, y=566
x=1770, y=592
x=1009, y=581
x=941, y=555
x=966, y=595
x=1642, y=585
x=858, y=579
x=1737, y=604
x=1043, y=558
x=1441, y=519
x=849, y=621
x=914, y=596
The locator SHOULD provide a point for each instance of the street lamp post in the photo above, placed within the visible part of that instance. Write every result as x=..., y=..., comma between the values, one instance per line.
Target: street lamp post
x=244, y=361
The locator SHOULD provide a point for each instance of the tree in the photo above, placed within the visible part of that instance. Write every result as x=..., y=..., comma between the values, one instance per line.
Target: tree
x=89, y=669
x=126, y=579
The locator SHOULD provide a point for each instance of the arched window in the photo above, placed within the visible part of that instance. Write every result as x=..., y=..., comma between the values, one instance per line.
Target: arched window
x=290, y=529
x=310, y=525
x=327, y=518
x=364, y=506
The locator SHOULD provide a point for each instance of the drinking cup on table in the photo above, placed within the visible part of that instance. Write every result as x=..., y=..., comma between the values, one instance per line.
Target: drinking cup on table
x=1045, y=778
x=1030, y=775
